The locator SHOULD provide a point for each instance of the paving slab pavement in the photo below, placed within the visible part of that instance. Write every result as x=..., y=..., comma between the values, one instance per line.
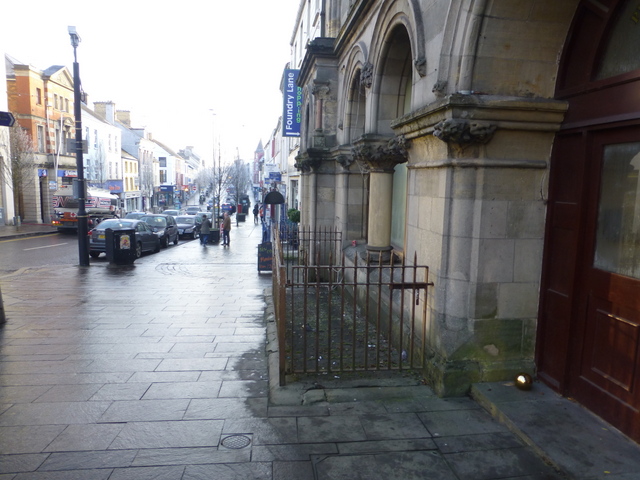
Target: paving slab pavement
x=161, y=370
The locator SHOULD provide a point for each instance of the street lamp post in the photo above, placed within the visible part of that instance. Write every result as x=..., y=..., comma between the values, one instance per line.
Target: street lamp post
x=83, y=228
x=216, y=192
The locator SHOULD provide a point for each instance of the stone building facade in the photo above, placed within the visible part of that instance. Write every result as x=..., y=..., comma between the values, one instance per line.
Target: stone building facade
x=42, y=102
x=486, y=136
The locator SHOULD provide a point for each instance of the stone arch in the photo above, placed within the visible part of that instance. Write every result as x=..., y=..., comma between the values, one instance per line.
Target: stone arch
x=482, y=37
x=355, y=114
x=393, y=66
x=393, y=81
x=392, y=56
x=354, y=94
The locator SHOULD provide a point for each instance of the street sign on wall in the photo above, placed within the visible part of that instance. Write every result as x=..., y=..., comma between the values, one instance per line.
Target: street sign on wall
x=292, y=101
x=7, y=119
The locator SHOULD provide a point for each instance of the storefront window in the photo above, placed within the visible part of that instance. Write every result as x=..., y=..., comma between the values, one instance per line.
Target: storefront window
x=618, y=233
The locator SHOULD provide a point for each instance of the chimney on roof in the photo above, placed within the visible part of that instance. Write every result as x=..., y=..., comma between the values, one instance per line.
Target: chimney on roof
x=124, y=117
x=106, y=110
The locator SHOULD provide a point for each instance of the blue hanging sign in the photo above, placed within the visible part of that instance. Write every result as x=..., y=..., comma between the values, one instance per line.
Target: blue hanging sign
x=292, y=104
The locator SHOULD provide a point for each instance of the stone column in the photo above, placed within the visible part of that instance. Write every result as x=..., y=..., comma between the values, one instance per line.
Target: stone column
x=476, y=216
x=379, y=157
x=342, y=195
x=308, y=178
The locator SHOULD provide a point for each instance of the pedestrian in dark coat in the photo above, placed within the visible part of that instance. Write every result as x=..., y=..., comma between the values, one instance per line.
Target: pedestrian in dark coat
x=226, y=228
x=205, y=230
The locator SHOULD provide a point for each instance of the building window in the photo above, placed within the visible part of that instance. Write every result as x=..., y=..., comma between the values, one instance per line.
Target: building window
x=95, y=138
x=66, y=104
x=109, y=142
x=38, y=96
x=41, y=138
x=55, y=101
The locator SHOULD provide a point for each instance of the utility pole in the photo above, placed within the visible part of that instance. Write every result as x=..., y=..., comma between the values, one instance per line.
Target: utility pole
x=83, y=223
x=3, y=318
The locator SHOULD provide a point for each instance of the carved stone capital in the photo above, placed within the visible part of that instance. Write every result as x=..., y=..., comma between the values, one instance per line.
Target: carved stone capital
x=439, y=88
x=366, y=75
x=320, y=90
x=306, y=164
x=464, y=132
x=345, y=160
x=376, y=156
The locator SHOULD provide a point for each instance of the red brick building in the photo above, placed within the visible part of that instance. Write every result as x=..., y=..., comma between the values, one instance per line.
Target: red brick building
x=42, y=102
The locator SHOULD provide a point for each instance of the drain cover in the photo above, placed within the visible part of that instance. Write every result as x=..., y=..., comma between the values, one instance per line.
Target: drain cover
x=236, y=441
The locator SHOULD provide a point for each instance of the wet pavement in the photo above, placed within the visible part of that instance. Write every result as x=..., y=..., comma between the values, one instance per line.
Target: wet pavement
x=25, y=230
x=162, y=370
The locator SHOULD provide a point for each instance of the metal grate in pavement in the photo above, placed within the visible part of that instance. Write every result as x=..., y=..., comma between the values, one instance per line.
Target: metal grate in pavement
x=236, y=441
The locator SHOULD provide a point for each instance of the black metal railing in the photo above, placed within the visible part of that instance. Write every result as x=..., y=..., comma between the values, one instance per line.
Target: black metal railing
x=337, y=315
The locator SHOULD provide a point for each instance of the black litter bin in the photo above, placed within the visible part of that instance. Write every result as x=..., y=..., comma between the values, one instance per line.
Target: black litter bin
x=120, y=245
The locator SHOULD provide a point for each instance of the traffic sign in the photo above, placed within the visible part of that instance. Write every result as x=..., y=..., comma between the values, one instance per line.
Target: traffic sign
x=7, y=119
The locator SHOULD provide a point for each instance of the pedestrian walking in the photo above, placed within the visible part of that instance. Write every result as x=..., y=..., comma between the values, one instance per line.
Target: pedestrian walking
x=226, y=228
x=256, y=210
x=205, y=230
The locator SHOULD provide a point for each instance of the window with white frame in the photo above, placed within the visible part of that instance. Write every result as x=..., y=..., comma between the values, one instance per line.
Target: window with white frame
x=41, y=138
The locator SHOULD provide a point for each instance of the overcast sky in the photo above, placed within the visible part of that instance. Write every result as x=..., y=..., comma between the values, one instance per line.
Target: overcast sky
x=168, y=63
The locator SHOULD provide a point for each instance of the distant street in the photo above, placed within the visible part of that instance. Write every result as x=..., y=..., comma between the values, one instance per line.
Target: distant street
x=38, y=251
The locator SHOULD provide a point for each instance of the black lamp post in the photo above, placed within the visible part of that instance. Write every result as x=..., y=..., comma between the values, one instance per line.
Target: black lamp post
x=215, y=213
x=83, y=229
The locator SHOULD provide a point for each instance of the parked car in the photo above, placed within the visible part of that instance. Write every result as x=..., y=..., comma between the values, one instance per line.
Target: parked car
x=173, y=213
x=188, y=226
x=192, y=209
x=135, y=215
x=145, y=239
x=164, y=226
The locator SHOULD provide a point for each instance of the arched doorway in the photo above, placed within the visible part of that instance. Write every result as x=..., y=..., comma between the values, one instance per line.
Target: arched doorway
x=589, y=319
x=396, y=90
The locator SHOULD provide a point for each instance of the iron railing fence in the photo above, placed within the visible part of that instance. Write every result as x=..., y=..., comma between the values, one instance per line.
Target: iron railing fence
x=337, y=315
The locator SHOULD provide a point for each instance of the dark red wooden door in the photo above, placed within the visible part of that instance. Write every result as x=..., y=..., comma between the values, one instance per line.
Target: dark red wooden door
x=606, y=362
x=589, y=320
